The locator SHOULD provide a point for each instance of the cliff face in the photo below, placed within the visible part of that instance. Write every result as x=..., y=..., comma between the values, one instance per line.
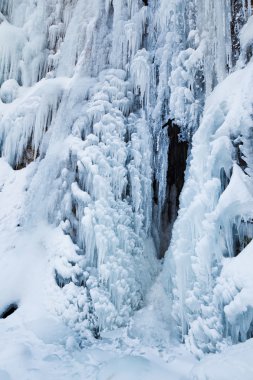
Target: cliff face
x=86, y=87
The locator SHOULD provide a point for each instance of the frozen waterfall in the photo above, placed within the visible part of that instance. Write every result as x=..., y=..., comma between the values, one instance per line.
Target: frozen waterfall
x=86, y=87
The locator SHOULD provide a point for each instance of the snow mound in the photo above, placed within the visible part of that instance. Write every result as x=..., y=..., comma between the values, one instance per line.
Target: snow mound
x=134, y=368
x=233, y=363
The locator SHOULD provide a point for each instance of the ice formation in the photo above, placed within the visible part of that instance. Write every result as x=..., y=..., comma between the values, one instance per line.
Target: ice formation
x=79, y=113
x=211, y=299
x=86, y=87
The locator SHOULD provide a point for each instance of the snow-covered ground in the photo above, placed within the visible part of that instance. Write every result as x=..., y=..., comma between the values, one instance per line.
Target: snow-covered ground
x=234, y=363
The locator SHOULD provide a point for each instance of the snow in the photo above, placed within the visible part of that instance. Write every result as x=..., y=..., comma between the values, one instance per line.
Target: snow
x=234, y=288
x=246, y=34
x=9, y=91
x=234, y=363
x=85, y=89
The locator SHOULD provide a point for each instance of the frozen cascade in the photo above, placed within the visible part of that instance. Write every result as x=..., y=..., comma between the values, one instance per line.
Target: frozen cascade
x=86, y=87
x=85, y=126
x=212, y=302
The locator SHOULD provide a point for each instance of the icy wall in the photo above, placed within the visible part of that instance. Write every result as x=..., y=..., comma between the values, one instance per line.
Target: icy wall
x=207, y=267
x=69, y=103
x=86, y=87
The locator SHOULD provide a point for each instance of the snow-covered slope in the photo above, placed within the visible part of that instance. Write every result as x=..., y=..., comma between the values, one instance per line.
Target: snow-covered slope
x=90, y=182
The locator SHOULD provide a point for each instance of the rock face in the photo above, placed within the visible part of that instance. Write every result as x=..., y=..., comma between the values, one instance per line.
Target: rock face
x=86, y=87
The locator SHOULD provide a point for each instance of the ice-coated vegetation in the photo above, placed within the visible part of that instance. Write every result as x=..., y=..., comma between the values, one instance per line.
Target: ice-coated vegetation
x=86, y=89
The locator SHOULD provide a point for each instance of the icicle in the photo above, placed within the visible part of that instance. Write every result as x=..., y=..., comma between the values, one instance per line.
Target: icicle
x=140, y=71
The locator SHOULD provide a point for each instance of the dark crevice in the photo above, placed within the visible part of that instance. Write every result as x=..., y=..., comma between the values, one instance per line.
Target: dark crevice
x=9, y=310
x=29, y=156
x=237, y=22
x=224, y=179
x=242, y=235
x=155, y=191
x=61, y=281
x=249, y=53
x=250, y=332
x=239, y=11
x=239, y=156
x=177, y=159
